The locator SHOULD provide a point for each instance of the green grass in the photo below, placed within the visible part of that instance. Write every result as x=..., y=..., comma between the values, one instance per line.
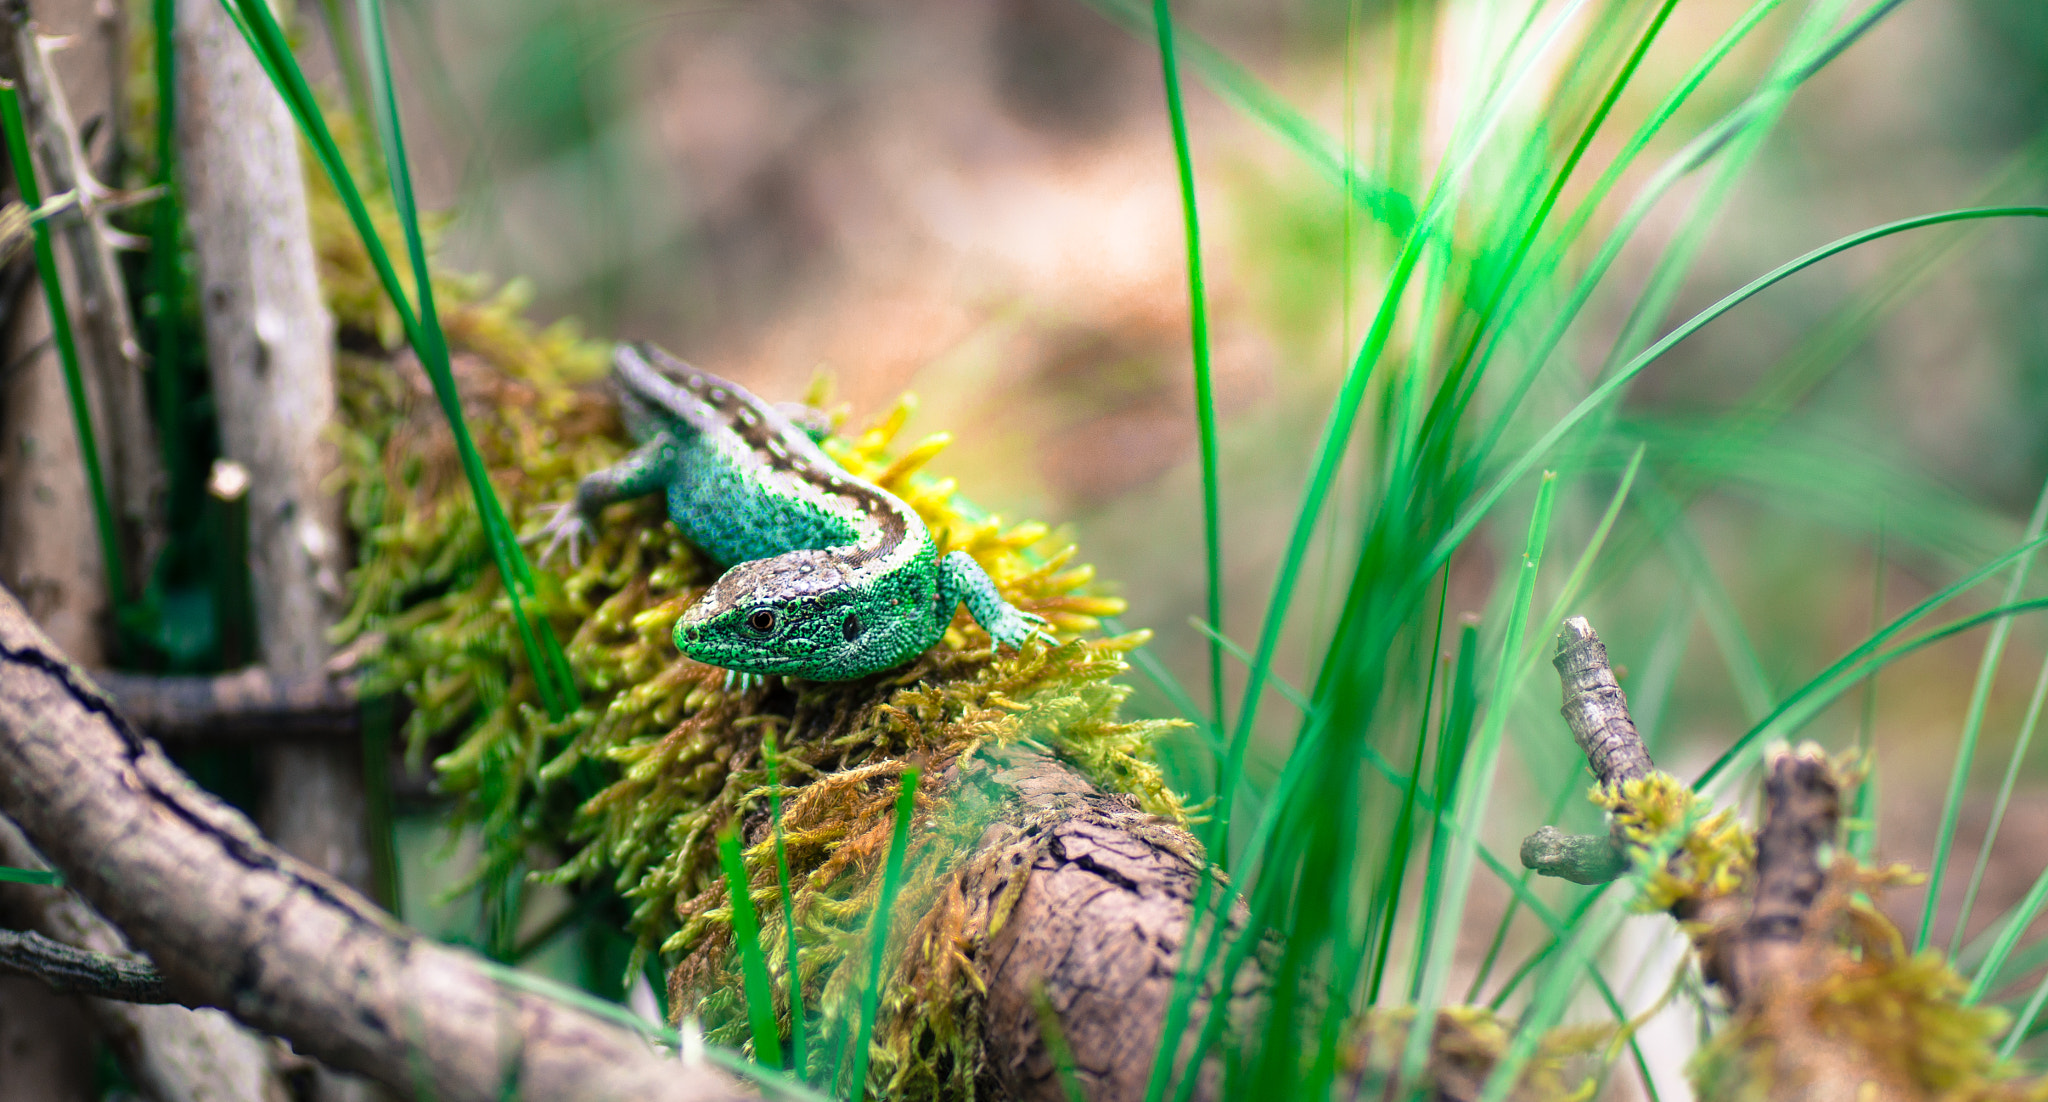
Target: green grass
x=878, y=931
x=746, y=934
x=798, y=1041
x=1198, y=324
x=11, y=875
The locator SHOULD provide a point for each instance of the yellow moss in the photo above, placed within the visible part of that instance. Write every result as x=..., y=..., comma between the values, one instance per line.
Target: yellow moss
x=1685, y=850
x=1856, y=1009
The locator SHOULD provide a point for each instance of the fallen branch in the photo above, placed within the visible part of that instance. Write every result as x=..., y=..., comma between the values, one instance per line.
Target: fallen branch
x=235, y=923
x=96, y=291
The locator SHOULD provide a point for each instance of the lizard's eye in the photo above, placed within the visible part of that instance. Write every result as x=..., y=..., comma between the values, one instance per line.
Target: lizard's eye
x=763, y=620
x=852, y=627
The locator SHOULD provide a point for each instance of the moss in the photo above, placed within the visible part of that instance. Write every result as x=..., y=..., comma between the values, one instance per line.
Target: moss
x=1843, y=1012
x=1469, y=1041
x=626, y=794
x=1854, y=1009
x=1688, y=851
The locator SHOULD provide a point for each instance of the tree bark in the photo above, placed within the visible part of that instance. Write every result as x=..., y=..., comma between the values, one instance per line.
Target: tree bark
x=253, y=704
x=45, y=1045
x=48, y=551
x=1098, y=929
x=235, y=923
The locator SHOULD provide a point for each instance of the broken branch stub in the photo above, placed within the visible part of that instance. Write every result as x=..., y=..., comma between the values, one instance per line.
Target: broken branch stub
x=1596, y=710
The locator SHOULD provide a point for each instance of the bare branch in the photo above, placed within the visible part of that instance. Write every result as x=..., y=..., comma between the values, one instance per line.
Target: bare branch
x=1596, y=710
x=77, y=972
x=250, y=704
x=1595, y=707
x=1579, y=858
x=96, y=291
x=235, y=923
x=1802, y=808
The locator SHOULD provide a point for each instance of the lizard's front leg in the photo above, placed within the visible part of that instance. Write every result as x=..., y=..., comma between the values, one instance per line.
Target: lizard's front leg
x=649, y=468
x=963, y=581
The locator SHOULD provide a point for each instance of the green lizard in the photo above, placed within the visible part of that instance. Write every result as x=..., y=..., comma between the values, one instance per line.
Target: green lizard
x=831, y=578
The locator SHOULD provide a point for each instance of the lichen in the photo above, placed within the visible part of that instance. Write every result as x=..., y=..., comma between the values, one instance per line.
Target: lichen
x=627, y=793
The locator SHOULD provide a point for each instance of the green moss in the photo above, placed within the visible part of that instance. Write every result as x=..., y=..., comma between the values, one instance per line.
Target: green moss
x=627, y=794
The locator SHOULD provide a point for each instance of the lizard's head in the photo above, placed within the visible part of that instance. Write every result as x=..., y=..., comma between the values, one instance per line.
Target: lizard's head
x=802, y=614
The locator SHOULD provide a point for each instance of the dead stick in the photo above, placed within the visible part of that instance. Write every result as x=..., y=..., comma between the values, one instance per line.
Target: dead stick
x=77, y=972
x=1596, y=710
x=249, y=704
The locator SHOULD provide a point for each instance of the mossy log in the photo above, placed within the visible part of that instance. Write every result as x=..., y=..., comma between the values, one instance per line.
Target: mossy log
x=1050, y=858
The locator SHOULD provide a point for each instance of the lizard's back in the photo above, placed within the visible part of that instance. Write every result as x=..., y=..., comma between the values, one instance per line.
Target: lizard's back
x=747, y=484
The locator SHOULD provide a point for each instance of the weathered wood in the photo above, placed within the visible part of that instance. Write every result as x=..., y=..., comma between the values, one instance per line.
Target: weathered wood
x=172, y=1054
x=1596, y=710
x=72, y=971
x=269, y=343
x=269, y=339
x=235, y=923
x=45, y=1045
x=254, y=704
x=49, y=553
x=1097, y=928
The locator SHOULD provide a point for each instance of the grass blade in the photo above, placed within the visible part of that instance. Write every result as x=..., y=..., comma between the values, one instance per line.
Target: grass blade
x=552, y=676
x=2009, y=936
x=166, y=277
x=878, y=930
x=798, y=1056
x=1198, y=324
x=259, y=28
x=1453, y=737
x=777, y=1084
x=746, y=932
x=1243, y=91
x=1475, y=779
x=67, y=347
x=1056, y=1045
x=1462, y=529
x=1966, y=753
x=10, y=875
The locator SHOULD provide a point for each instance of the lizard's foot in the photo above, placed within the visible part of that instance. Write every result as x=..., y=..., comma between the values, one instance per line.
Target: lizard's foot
x=1013, y=629
x=567, y=525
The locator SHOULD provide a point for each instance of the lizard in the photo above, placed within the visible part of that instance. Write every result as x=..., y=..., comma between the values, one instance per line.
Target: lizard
x=829, y=577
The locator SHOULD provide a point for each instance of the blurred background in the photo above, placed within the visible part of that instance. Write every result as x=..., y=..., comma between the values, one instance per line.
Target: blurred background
x=977, y=203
